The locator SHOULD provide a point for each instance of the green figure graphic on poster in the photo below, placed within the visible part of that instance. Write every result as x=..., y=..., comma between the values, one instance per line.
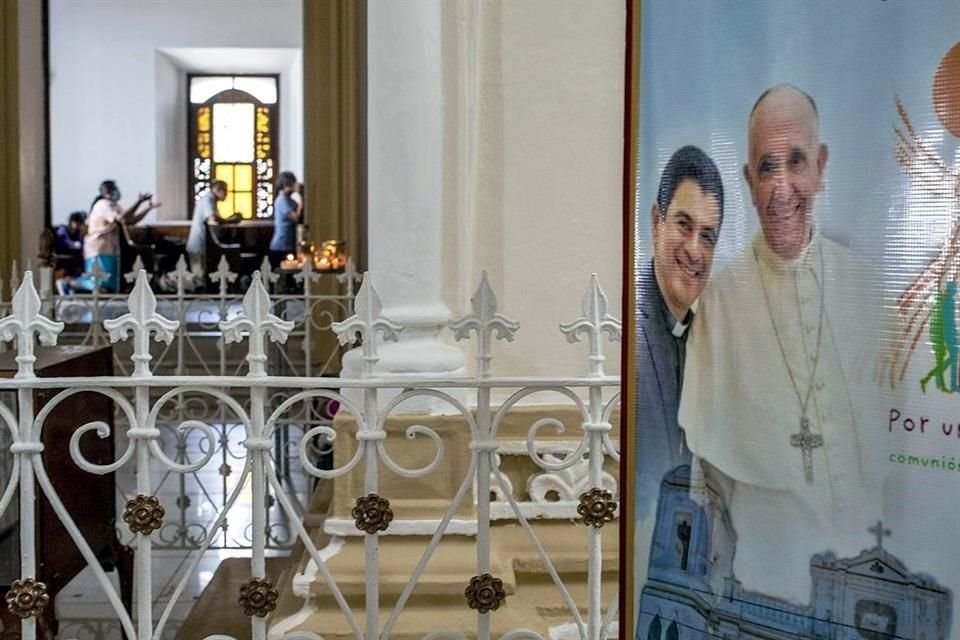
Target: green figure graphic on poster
x=945, y=341
x=923, y=301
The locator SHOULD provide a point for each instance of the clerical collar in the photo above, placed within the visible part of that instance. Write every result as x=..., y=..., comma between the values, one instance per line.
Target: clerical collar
x=780, y=265
x=679, y=327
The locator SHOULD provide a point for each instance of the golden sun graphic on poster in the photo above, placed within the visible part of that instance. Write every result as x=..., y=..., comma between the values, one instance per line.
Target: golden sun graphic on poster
x=929, y=303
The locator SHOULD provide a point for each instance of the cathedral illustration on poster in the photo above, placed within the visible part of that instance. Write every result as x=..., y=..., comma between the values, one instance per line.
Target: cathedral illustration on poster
x=691, y=591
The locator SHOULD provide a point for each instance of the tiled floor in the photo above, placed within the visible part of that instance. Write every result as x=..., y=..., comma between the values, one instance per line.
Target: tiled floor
x=85, y=612
x=83, y=608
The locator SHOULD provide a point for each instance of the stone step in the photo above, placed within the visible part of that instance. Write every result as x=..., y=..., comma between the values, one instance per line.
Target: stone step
x=450, y=569
x=540, y=609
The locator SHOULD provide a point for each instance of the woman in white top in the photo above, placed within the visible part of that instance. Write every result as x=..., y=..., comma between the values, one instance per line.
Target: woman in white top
x=101, y=244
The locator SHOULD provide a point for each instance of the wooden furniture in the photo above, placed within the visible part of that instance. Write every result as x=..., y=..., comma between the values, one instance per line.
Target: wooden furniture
x=90, y=499
x=170, y=229
x=228, y=240
x=70, y=264
x=134, y=243
x=158, y=254
x=244, y=243
x=253, y=235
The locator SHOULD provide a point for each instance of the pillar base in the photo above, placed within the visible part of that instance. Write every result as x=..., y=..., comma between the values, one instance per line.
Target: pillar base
x=419, y=357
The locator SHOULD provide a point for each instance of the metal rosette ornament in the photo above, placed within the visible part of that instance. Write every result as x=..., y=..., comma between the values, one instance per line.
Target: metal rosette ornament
x=144, y=514
x=27, y=598
x=485, y=593
x=372, y=513
x=597, y=507
x=258, y=597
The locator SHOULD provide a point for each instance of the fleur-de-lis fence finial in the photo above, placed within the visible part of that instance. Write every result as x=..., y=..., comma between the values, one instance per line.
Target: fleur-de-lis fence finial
x=484, y=320
x=350, y=277
x=182, y=274
x=223, y=276
x=594, y=322
x=366, y=322
x=307, y=274
x=24, y=322
x=259, y=323
x=266, y=272
x=141, y=321
x=135, y=271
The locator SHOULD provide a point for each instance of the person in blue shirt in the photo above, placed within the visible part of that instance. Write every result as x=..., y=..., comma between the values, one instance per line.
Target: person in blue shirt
x=68, y=238
x=287, y=214
x=68, y=252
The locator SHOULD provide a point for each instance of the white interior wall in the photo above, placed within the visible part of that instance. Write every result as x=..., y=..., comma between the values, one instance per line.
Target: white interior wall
x=291, y=115
x=171, y=139
x=533, y=176
x=117, y=101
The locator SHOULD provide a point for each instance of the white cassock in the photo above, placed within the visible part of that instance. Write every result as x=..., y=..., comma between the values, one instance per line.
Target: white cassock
x=739, y=409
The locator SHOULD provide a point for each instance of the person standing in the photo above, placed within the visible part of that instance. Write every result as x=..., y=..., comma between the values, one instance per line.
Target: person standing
x=287, y=214
x=101, y=245
x=204, y=213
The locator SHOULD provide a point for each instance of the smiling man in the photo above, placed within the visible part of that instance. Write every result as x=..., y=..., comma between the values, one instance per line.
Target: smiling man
x=685, y=222
x=767, y=401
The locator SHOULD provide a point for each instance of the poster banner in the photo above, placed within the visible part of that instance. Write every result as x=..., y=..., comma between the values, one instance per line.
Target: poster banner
x=797, y=354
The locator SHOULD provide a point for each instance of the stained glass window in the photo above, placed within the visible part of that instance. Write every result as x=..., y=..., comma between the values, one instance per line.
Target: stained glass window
x=233, y=137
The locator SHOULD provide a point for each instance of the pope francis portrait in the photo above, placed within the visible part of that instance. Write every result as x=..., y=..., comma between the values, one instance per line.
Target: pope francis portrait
x=769, y=408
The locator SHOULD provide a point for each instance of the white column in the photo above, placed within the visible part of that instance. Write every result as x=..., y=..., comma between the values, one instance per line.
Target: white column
x=405, y=186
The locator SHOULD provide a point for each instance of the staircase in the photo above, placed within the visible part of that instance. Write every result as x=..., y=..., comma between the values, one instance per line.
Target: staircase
x=548, y=500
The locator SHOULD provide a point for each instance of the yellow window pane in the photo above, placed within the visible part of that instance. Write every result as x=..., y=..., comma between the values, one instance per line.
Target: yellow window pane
x=203, y=119
x=203, y=145
x=243, y=204
x=236, y=202
x=225, y=206
x=263, y=120
x=242, y=177
x=225, y=172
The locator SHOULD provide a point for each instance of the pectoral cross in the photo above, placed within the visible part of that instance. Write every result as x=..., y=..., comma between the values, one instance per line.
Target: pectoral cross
x=807, y=442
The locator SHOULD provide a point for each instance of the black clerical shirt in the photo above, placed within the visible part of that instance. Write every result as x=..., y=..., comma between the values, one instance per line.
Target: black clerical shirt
x=678, y=334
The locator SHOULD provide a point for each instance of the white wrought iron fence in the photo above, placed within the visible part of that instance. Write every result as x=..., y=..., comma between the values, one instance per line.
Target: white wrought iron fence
x=198, y=348
x=573, y=471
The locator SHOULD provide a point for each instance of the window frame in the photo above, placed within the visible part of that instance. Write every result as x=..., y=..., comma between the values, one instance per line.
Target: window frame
x=232, y=95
